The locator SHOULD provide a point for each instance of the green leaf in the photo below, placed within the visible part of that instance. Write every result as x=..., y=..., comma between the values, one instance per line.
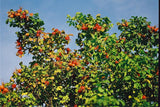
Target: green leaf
x=127, y=78
x=100, y=89
x=137, y=85
x=7, y=21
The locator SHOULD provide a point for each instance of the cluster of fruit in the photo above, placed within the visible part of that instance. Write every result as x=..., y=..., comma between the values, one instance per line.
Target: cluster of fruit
x=152, y=28
x=3, y=89
x=19, y=13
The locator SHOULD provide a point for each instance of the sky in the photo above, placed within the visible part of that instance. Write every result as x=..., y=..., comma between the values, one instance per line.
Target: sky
x=54, y=13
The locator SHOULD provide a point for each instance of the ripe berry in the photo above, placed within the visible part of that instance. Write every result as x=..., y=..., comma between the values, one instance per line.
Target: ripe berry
x=57, y=58
x=36, y=64
x=84, y=27
x=157, y=73
x=56, y=30
x=75, y=105
x=144, y=97
x=60, y=54
x=80, y=56
x=18, y=43
x=116, y=62
x=79, y=91
x=19, y=70
x=68, y=49
x=47, y=82
x=20, y=48
x=53, y=33
x=82, y=87
x=67, y=38
x=20, y=52
x=87, y=62
x=13, y=85
x=96, y=47
x=107, y=56
x=138, y=74
x=37, y=34
x=40, y=50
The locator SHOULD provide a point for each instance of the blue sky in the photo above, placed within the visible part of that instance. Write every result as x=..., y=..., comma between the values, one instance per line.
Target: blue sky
x=54, y=13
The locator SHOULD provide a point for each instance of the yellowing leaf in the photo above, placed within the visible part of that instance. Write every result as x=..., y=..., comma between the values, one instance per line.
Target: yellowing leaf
x=98, y=15
x=55, y=98
x=11, y=79
x=137, y=99
x=80, y=96
x=43, y=86
x=129, y=96
x=24, y=93
x=109, y=70
x=57, y=71
x=34, y=40
x=100, y=95
x=48, y=59
x=102, y=29
x=43, y=80
x=34, y=85
x=52, y=78
x=30, y=83
x=59, y=88
x=147, y=81
x=129, y=70
x=30, y=39
x=149, y=76
x=35, y=72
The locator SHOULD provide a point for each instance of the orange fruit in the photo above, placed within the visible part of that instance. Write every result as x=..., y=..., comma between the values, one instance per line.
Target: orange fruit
x=11, y=16
x=103, y=77
x=19, y=70
x=1, y=87
x=19, y=10
x=5, y=90
x=27, y=34
x=123, y=24
x=31, y=14
x=68, y=68
x=144, y=97
x=156, y=29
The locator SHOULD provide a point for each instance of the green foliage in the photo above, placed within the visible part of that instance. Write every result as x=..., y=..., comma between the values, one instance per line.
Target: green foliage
x=104, y=71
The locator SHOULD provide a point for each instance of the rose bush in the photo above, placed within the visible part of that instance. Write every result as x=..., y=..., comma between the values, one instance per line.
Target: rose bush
x=104, y=71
